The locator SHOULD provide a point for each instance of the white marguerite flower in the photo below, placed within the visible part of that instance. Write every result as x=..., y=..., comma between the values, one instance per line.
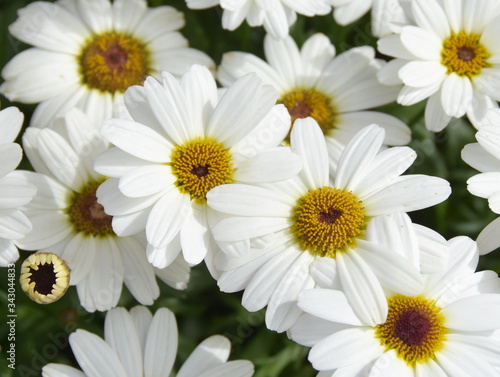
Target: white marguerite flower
x=277, y=234
x=68, y=221
x=14, y=193
x=183, y=142
x=383, y=13
x=485, y=157
x=137, y=344
x=445, y=330
x=87, y=52
x=449, y=54
x=276, y=15
x=336, y=91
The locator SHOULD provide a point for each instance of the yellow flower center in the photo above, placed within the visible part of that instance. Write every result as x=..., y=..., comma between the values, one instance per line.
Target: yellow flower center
x=414, y=328
x=200, y=165
x=44, y=277
x=303, y=103
x=464, y=55
x=87, y=215
x=328, y=220
x=111, y=62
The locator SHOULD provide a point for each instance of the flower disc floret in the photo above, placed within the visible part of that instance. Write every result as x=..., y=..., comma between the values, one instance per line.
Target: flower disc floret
x=328, y=220
x=113, y=61
x=464, y=55
x=414, y=328
x=200, y=165
x=303, y=103
x=87, y=215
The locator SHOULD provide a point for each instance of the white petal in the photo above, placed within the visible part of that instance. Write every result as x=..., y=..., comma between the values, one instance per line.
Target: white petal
x=195, y=235
x=473, y=313
x=361, y=287
x=421, y=43
x=210, y=353
x=456, y=95
x=49, y=227
x=435, y=117
x=392, y=270
x=106, y=278
x=11, y=120
x=137, y=140
x=60, y=370
x=80, y=254
x=247, y=200
x=170, y=107
x=95, y=356
x=120, y=334
x=282, y=311
x=265, y=280
x=488, y=240
x=240, y=109
x=356, y=156
x=139, y=276
x=328, y=304
x=422, y=73
x=408, y=193
x=114, y=162
x=241, y=228
x=307, y=141
x=161, y=344
x=456, y=361
x=167, y=218
x=146, y=180
x=347, y=346
x=272, y=165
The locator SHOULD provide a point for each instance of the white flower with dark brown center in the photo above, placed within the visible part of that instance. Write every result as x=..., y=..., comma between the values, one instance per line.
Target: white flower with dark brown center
x=276, y=234
x=137, y=344
x=88, y=52
x=183, y=142
x=485, y=157
x=275, y=15
x=449, y=55
x=68, y=221
x=14, y=193
x=337, y=91
x=444, y=330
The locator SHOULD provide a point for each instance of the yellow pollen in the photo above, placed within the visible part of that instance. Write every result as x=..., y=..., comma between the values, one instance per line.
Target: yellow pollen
x=414, y=329
x=87, y=215
x=328, y=220
x=303, y=103
x=111, y=62
x=44, y=277
x=464, y=55
x=200, y=165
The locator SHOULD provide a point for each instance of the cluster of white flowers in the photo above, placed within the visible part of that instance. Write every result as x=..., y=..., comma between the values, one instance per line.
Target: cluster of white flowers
x=148, y=159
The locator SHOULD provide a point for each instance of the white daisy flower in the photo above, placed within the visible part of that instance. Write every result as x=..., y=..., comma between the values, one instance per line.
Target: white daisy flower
x=14, y=193
x=446, y=330
x=184, y=141
x=137, y=344
x=485, y=157
x=336, y=91
x=450, y=55
x=87, y=52
x=276, y=15
x=68, y=221
x=383, y=13
x=280, y=233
